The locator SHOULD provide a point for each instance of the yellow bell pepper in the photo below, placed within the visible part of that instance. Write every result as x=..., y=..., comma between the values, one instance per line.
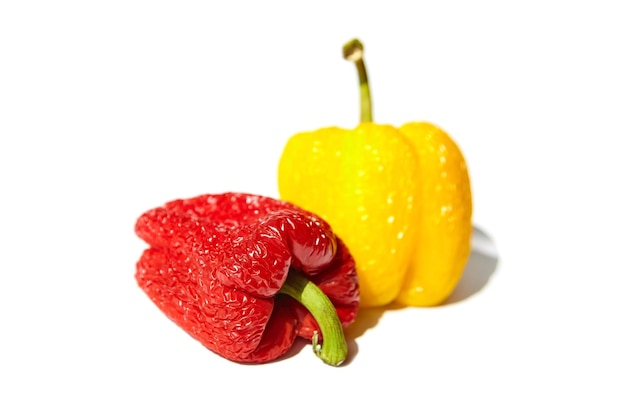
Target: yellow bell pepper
x=400, y=199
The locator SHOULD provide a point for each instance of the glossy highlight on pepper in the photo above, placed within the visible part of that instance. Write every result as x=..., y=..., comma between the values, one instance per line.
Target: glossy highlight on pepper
x=400, y=199
x=246, y=274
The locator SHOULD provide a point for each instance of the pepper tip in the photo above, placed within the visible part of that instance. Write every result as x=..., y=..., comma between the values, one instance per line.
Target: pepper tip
x=353, y=50
x=333, y=357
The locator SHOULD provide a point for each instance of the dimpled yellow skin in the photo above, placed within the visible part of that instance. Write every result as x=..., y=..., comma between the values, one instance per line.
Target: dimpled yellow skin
x=444, y=221
x=365, y=183
x=399, y=198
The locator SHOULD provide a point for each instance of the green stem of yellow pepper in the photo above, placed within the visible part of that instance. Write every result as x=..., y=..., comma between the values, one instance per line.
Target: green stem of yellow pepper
x=353, y=51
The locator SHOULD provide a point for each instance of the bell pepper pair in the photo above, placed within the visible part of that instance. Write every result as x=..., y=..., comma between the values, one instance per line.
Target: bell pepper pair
x=245, y=274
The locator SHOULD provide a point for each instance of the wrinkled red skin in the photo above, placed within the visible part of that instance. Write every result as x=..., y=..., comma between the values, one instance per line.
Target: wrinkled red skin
x=216, y=263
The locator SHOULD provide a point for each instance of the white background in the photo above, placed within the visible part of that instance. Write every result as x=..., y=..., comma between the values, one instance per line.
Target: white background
x=108, y=109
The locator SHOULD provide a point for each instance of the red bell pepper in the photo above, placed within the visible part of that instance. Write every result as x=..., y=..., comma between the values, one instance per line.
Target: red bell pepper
x=229, y=268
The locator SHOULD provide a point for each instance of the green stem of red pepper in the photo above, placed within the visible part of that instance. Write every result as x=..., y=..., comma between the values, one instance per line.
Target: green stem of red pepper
x=334, y=348
x=353, y=51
